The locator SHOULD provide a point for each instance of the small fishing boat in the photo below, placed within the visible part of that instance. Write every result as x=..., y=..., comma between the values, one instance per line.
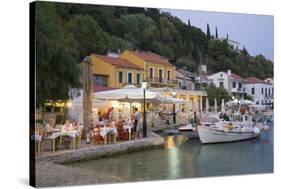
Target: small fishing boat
x=226, y=132
x=240, y=127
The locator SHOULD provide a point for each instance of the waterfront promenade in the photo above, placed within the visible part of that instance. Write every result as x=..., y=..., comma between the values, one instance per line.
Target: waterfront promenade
x=51, y=171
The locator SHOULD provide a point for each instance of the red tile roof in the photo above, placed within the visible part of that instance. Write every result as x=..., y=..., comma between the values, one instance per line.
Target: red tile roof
x=152, y=57
x=235, y=76
x=117, y=62
x=102, y=88
x=253, y=80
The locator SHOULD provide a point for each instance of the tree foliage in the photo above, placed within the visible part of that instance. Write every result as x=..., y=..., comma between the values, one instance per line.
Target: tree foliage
x=66, y=33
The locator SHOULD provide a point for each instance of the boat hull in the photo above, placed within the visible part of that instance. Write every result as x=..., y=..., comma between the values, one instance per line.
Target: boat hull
x=208, y=135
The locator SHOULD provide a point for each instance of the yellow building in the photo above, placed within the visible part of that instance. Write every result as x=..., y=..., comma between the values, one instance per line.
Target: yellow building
x=158, y=71
x=115, y=72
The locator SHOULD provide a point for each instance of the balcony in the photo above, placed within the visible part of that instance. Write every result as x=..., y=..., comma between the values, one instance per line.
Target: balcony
x=156, y=80
x=238, y=90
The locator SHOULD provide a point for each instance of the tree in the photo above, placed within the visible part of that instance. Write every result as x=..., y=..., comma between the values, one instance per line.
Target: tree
x=188, y=62
x=216, y=32
x=208, y=32
x=218, y=93
x=189, y=23
x=57, y=70
x=90, y=36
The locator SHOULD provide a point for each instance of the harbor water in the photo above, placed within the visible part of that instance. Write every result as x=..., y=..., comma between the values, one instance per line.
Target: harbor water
x=185, y=157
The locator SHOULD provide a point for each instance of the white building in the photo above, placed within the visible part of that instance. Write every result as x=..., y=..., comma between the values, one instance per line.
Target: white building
x=269, y=80
x=259, y=90
x=233, y=83
x=185, y=79
x=234, y=44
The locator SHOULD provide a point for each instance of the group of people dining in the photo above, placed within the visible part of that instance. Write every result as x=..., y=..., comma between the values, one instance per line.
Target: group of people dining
x=119, y=123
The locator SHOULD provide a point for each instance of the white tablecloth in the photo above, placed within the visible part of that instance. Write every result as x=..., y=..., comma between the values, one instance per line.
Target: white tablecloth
x=71, y=134
x=106, y=130
x=129, y=127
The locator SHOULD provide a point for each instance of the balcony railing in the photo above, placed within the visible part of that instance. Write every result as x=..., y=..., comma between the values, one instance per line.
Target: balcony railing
x=162, y=81
x=238, y=90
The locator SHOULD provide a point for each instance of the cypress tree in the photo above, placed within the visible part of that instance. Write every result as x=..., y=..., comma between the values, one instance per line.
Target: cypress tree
x=189, y=23
x=216, y=32
x=227, y=36
x=208, y=32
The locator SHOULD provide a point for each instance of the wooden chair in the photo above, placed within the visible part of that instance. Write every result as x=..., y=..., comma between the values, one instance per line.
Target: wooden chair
x=46, y=139
x=122, y=134
x=97, y=138
x=38, y=144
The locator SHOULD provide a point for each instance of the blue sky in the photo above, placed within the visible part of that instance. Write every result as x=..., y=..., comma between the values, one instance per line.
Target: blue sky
x=255, y=32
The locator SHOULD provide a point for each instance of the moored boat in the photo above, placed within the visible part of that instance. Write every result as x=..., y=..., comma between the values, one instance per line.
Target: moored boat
x=221, y=132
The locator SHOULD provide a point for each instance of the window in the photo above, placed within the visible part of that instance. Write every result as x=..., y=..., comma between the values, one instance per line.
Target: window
x=268, y=91
x=221, y=74
x=138, y=78
x=120, y=77
x=261, y=90
x=160, y=75
x=168, y=75
x=265, y=91
x=100, y=80
x=253, y=90
x=151, y=73
x=221, y=84
x=233, y=84
x=240, y=85
x=130, y=78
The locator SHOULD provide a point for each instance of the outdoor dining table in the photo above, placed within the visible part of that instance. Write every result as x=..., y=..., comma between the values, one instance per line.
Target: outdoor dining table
x=73, y=134
x=129, y=128
x=105, y=131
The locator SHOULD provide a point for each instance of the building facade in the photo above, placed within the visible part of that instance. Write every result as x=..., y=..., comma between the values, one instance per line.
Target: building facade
x=260, y=91
x=115, y=72
x=231, y=82
x=157, y=70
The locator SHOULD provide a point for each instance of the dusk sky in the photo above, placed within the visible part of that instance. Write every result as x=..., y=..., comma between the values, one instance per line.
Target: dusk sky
x=255, y=32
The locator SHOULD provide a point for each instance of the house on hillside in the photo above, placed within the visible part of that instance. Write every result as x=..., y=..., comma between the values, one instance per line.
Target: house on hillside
x=261, y=91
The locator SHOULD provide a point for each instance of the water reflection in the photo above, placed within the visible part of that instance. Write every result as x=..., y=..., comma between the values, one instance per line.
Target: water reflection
x=184, y=157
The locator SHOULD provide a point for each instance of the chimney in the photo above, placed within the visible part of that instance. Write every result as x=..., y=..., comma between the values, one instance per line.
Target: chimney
x=229, y=72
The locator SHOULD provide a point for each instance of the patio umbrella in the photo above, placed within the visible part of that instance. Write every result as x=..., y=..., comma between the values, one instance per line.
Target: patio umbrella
x=222, y=106
x=126, y=93
x=87, y=95
x=216, y=105
x=207, y=105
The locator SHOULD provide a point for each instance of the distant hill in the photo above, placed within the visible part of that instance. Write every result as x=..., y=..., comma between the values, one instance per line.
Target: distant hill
x=101, y=29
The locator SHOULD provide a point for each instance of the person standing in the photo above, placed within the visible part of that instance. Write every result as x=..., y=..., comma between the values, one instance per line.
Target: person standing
x=137, y=118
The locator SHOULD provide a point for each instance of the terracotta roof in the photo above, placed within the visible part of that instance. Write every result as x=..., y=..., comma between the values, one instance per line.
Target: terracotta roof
x=235, y=76
x=102, y=88
x=253, y=80
x=179, y=74
x=117, y=62
x=152, y=57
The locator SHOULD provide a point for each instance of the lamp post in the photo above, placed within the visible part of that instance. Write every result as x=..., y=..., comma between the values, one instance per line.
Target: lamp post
x=174, y=107
x=144, y=128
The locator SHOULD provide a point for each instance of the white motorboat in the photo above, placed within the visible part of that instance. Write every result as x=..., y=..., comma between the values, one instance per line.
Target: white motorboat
x=187, y=127
x=224, y=132
x=240, y=127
